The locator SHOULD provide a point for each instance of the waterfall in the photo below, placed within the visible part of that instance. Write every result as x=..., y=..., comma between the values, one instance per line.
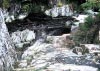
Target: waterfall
x=7, y=53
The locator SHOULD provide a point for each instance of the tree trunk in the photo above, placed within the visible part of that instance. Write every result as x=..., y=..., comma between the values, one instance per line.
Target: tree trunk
x=7, y=52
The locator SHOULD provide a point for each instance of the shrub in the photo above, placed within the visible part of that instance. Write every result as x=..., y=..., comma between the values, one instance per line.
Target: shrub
x=94, y=5
x=87, y=32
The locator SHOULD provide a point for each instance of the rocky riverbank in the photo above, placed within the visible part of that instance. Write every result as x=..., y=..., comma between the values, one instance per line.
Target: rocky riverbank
x=55, y=53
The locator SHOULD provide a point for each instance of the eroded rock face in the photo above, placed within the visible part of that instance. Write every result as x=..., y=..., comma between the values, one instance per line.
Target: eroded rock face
x=7, y=51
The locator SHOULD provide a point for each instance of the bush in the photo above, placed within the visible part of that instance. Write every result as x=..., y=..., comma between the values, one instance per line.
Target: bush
x=91, y=5
x=89, y=21
x=87, y=32
x=6, y=3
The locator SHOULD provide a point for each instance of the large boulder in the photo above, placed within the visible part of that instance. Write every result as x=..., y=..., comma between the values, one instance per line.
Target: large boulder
x=59, y=11
x=61, y=41
x=22, y=38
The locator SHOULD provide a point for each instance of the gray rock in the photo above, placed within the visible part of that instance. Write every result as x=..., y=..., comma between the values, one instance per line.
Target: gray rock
x=22, y=38
x=91, y=12
x=62, y=11
x=7, y=50
x=23, y=64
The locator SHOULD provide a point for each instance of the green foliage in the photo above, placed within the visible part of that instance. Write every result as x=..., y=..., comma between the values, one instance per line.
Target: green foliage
x=91, y=5
x=26, y=8
x=36, y=8
x=89, y=21
x=87, y=32
x=6, y=3
x=87, y=5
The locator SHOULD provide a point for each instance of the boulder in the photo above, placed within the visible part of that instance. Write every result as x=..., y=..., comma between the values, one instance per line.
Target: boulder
x=61, y=41
x=59, y=11
x=22, y=38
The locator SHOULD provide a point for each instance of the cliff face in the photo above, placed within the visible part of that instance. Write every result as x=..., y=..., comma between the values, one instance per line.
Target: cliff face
x=7, y=53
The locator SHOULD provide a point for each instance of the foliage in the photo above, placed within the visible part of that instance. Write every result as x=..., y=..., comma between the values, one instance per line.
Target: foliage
x=87, y=32
x=59, y=4
x=6, y=3
x=87, y=25
x=26, y=8
x=93, y=4
x=36, y=8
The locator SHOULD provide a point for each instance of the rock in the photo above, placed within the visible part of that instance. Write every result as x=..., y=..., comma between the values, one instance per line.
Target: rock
x=59, y=11
x=23, y=64
x=68, y=23
x=60, y=41
x=75, y=27
x=46, y=55
x=16, y=37
x=22, y=38
x=30, y=36
x=27, y=35
x=7, y=50
x=54, y=12
x=10, y=18
x=1, y=66
x=22, y=45
x=91, y=12
x=36, y=48
x=19, y=46
x=92, y=47
x=70, y=67
x=22, y=16
x=81, y=18
x=47, y=12
x=41, y=66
